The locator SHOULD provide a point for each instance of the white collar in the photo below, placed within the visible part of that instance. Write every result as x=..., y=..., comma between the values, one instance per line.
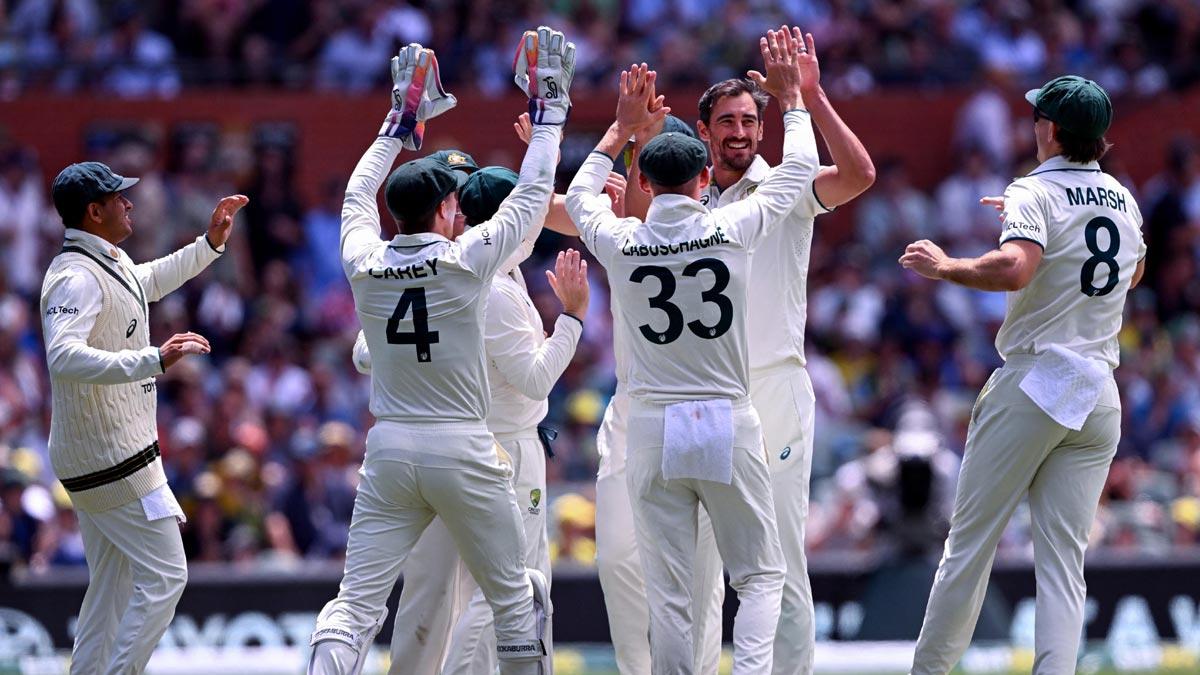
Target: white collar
x=91, y=242
x=672, y=208
x=1060, y=163
x=756, y=173
x=416, y=240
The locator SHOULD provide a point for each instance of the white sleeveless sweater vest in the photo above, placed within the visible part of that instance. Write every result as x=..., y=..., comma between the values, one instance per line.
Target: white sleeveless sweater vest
x=104, y=437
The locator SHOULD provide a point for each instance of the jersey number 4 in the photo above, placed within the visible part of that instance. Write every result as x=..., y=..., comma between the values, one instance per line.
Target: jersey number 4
x=1106, y=257
x=662, y=301
x=420, y=335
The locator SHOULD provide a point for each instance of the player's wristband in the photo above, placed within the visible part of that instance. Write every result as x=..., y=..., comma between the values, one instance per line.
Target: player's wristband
x=573, y=317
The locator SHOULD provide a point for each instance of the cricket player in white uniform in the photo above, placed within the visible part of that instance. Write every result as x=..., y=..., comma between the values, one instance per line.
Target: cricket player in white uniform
x=731, y=123
x=103, y=431
x=420, y=299
x=1046, y=425
x=523, y=365
x=693, y=438
x=618, y=563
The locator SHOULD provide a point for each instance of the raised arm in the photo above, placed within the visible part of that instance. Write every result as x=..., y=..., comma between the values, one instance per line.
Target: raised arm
x=417, y=96
x=784, y=53
x=162, y=276
x=531, y=367
x=591, y=211
x=544, y=68
x=852, y=171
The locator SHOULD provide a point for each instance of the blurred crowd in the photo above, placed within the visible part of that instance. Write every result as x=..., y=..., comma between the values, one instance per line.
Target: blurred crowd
x=262, y=439
x=145, y=48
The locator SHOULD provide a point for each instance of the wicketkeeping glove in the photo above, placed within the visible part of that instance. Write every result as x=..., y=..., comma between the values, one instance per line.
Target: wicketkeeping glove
x=417, y=95
x=543, y=68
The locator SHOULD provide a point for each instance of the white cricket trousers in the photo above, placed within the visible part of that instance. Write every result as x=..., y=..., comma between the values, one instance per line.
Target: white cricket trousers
x=620, y=566
x=1014, y=449
x=397, y=501
x=136, y=573
x=743, y=522
x=443, y=623
x=784, y=400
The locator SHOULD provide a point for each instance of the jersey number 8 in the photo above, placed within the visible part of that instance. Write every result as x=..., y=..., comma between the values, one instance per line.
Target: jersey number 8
x=1106, y=257
x=662, y=301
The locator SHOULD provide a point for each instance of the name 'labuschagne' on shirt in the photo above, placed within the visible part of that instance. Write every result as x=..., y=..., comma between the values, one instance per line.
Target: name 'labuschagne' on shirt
x=1096, y=196
x=419, y=270
x=642, y=250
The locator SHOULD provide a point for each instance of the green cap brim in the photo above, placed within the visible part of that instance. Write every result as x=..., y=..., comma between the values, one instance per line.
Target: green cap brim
x=461, y=176
x=1032, y=95
x=126, y=183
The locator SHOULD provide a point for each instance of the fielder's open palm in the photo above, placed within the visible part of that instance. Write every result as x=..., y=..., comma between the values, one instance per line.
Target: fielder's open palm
x=569, y=282
x=222, y=218
x=781, y=53
x=638, y=107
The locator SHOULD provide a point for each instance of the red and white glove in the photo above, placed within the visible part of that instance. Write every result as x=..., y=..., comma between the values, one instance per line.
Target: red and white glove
x=417, y=95
x=543, y=68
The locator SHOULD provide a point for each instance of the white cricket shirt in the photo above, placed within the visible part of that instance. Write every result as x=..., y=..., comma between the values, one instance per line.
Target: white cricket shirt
x=420, y=298
x=1089, y=228
x=778, y=272
x=680, y=280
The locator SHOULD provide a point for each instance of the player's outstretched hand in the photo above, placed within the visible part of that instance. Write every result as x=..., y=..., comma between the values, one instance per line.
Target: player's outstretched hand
x=638, y=105
x=417, y=95
x=222, y=218
x=569, y=281
x=925, y=258
x=543, y=68
x=785, y=58
x=994, y=202
x=614, y=187
x=180, y=345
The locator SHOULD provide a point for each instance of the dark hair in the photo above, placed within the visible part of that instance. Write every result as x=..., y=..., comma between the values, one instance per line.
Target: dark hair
x=732, y=87
x=1078, y=149
x=684, y=188
x=418, y=225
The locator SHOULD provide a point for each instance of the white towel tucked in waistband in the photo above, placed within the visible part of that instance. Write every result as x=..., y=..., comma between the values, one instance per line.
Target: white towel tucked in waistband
x=1065, y=385
x=698, y=440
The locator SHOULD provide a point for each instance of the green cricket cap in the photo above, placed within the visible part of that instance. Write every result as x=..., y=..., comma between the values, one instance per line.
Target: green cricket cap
x=1074, y=103
x=463, y=164
x=416, y=188
x=671, y=159
x=672, y=124
x=81, y=184
x=484, y=191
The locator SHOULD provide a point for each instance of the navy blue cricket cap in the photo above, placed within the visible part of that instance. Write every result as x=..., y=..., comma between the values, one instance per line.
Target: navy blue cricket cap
x=81, y=184
x=671, y=159
x=416, y=188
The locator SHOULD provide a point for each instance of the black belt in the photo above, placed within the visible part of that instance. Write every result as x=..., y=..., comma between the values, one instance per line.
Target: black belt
x=546, y=435
x=113, y=474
